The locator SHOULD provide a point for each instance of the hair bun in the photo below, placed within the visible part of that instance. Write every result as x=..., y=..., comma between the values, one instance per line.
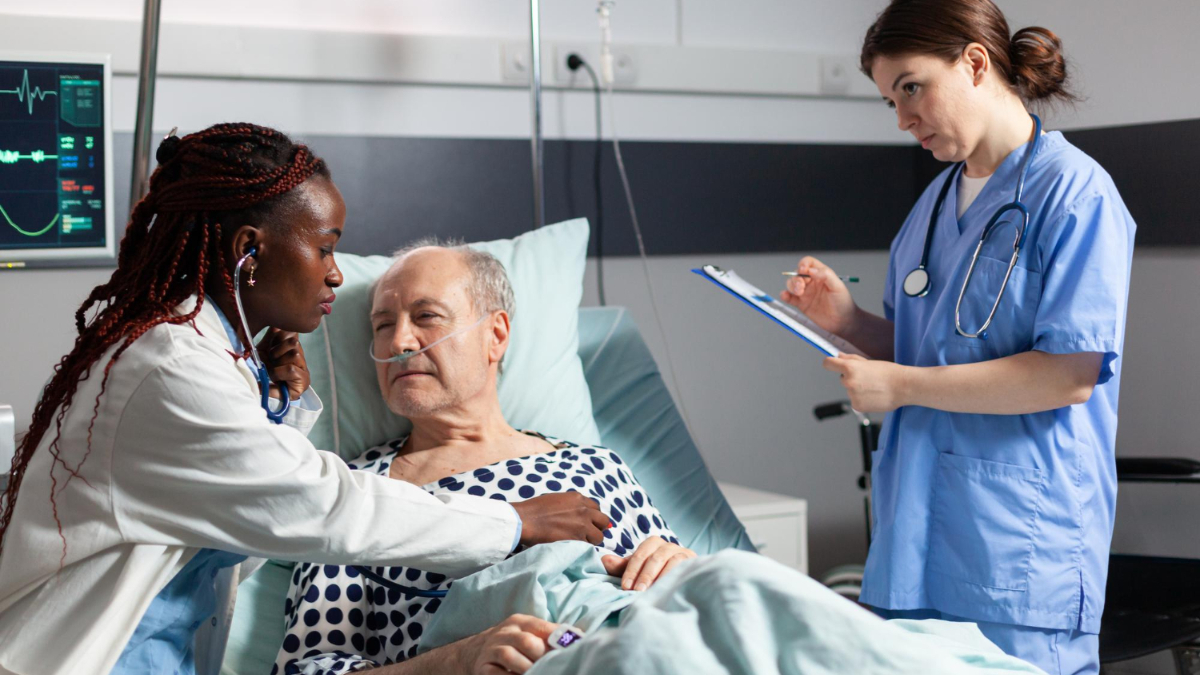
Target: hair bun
x=1039, y=67
x=167, y=149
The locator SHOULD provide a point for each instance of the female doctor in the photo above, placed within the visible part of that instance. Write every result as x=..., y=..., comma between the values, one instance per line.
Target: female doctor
x=151, y=469
x=994, y=486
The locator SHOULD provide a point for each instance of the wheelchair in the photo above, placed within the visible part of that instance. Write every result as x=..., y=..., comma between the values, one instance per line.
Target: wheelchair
x=1152, y=604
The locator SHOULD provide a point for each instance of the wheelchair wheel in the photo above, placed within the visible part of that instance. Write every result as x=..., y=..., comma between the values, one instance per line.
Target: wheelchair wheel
x=845, y=580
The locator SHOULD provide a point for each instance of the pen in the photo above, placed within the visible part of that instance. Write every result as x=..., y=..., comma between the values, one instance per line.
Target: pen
x=849, y=280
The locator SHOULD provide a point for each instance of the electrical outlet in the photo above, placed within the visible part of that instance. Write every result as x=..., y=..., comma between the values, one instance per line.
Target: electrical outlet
x=515, y=62
x=566, y=77
x=836, y=72
x=624, y=69
x=624, y=66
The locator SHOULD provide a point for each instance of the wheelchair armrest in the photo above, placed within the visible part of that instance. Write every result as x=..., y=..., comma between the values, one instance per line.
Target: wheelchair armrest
x=1158, y=469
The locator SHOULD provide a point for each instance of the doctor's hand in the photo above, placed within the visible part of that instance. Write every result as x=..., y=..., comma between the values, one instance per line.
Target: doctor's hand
x=822, y=296
x=873, y=386
x=561, y=516
x=510, y=646
x=653, y=558
x=284, y=358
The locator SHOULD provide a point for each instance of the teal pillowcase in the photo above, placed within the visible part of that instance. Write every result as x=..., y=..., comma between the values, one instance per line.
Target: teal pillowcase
x=542, y=388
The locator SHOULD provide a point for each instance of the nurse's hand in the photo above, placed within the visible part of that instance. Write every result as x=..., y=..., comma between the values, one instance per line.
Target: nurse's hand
x=822, y=296
x=284, y=358
x=873, y=386
x=562, y=516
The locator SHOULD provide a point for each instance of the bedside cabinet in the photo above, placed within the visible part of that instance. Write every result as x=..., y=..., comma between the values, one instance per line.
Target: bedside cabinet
x=777, y=524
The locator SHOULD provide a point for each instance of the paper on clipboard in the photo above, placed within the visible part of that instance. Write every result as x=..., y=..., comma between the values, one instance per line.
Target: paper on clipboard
x=785, y=315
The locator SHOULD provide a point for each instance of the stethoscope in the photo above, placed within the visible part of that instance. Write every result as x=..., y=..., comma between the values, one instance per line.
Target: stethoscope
x=917, y=283
x=264, y=381
x=408, y=591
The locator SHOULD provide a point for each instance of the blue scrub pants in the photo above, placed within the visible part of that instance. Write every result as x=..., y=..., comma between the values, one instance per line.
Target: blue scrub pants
x=1058, y=652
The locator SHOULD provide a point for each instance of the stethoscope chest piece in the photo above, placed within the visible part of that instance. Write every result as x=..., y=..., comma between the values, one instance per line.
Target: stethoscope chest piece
x=916, y=284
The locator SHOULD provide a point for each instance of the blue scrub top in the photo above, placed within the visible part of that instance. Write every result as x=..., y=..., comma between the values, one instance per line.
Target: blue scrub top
x=1006, y=518
x=163, y=640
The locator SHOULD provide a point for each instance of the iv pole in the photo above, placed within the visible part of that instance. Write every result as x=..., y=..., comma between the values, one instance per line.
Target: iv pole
x=147, y=70
x=535, y=95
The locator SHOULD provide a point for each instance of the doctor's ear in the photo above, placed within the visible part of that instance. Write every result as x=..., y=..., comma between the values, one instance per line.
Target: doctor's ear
x=247, y=239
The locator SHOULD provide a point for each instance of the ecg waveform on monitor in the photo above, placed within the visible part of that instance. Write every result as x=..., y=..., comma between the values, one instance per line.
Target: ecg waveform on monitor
x=28, y=233
x=26, y=95
x=35, y=156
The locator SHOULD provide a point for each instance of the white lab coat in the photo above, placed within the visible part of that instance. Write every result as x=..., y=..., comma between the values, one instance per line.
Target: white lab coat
x=183, y=458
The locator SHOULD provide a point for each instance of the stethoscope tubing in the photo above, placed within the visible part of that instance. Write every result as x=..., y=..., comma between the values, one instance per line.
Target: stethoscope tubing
x=264, y=380
x=409, y=591
x=921, y=273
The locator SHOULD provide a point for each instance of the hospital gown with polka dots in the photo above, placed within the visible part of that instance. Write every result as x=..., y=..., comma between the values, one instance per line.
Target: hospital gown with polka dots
x=339, y=622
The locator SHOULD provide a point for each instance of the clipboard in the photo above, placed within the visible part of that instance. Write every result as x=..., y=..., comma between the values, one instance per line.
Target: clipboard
x=781, y=313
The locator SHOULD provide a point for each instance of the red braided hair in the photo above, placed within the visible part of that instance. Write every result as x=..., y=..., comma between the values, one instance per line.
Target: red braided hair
x=172, y=250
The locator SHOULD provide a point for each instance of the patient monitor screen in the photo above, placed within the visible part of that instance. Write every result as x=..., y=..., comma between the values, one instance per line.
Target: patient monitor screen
x=55, y=166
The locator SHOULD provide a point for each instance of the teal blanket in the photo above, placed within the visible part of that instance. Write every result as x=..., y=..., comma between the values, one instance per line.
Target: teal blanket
x=732, y=612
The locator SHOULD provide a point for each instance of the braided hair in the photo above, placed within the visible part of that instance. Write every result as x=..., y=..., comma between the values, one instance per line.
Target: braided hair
x=172, y=250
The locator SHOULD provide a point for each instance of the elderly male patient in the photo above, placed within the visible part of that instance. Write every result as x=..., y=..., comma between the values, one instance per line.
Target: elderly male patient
x=340, y=621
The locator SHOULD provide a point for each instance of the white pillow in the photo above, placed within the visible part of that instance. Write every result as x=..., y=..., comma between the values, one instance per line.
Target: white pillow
x=543, y=387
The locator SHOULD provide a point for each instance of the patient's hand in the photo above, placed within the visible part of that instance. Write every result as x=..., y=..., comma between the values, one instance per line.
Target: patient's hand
x=653, y=558
x=561, y=516
x=510, y=646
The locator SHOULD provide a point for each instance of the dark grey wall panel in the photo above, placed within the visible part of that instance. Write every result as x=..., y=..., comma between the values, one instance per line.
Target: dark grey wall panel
x=701, y=197
x=1152, y=165
x=691, y=197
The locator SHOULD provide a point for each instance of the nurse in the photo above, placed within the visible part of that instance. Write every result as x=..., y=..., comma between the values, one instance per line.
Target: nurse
x=994, y=486
x=151, y=470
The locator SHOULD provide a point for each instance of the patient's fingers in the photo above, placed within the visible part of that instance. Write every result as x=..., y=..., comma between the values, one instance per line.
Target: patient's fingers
x=510, y=659
x=652, y=559
x=652, y=567
x=675, y=560
x=614, y=564
x=511, y=646
x=638, y=559
x=532, y=624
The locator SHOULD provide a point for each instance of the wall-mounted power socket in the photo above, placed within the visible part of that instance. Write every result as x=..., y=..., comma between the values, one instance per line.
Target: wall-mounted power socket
x=515, y=65
x=836, y=72
x=624, y=66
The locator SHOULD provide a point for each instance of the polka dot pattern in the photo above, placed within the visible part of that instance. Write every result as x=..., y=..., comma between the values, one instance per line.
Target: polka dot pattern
x=341, y=622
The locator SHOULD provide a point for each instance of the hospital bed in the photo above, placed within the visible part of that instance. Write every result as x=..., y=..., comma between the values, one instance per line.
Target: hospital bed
x=628, y=408
x=634, y=414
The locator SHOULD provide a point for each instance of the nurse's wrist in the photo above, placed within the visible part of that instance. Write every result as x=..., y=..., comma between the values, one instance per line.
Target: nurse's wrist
x=854, y=324
x=910, y=385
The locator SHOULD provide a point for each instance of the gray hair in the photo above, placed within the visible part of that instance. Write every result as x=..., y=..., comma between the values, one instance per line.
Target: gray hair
x=490, y=288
